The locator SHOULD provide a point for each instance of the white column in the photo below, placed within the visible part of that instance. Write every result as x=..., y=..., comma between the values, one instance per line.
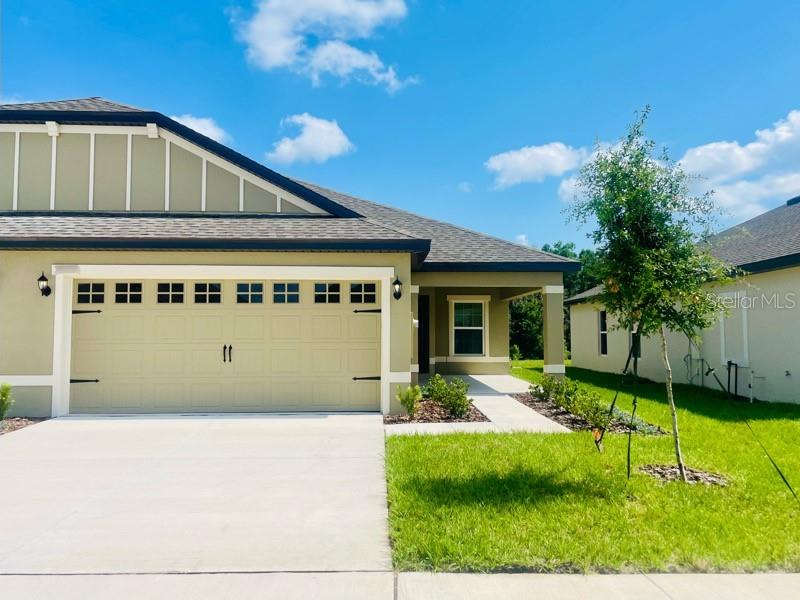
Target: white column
x=62, y=334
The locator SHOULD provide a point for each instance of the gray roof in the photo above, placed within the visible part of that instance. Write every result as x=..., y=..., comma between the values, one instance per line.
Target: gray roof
x=356, y=223
x=450, y=244
x=102, y=230
x=768, y=241
x=94, y=104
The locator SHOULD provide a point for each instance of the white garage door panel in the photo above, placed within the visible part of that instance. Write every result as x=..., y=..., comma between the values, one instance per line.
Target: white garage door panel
x=152, y=357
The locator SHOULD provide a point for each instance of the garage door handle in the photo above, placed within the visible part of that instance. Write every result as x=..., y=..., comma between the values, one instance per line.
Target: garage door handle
x=230, y=353
x=375, y=378
x=224, y=353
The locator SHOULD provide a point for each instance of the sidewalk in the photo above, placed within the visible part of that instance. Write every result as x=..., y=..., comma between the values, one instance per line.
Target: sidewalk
x=402, y=586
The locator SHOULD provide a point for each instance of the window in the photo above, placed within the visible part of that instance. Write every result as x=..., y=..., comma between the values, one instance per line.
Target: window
x=128, y=293
x=603, y=324
x=249, y=293
x=286, y=293
x=170, y=293
x=468, y=328
x=91, y=293
x=362, y=293
x=327, y=293
x=207, y=293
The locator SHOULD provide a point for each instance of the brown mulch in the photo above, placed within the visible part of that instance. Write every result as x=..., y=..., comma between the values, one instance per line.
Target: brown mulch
x=671, y=473
x=551, y=410
x=431, y=412
x=13, y=423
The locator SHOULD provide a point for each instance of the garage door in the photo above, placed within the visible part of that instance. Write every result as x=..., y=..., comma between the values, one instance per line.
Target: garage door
x=225, y=346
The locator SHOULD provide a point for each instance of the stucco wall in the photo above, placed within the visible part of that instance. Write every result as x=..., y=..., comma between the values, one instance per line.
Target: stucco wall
x=765, y=341
x=26, y=318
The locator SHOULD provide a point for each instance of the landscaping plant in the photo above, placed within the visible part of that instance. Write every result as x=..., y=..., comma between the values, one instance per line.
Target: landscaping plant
x=573, y=398
x=451, y=396
x=6, y=400
x=649, y=233
x=409, y=398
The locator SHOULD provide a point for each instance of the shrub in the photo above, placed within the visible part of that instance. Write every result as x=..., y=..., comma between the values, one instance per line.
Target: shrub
x=455, y=400
x=6, y=400
x=409, y=398
x=450, y=396
x=570, y=396
x=514, y=352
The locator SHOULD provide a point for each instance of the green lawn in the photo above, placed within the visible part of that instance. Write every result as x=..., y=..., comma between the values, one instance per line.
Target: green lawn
x=552, y=502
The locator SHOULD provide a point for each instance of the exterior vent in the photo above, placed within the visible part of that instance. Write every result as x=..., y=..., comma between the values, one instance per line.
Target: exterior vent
x=793, y=201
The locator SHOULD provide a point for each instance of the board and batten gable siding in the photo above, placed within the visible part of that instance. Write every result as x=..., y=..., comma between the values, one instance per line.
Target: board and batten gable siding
x=762, y=336
x=110, y=169
x=7, y=171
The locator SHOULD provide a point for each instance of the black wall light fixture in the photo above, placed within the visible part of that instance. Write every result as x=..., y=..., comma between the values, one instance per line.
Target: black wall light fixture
x=43, y=285
x=397, y=286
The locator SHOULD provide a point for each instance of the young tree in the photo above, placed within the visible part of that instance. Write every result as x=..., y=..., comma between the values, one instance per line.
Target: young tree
x=649, y=257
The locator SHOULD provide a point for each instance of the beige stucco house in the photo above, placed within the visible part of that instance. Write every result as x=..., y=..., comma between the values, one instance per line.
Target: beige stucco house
x=754, y=350
x=147, y=268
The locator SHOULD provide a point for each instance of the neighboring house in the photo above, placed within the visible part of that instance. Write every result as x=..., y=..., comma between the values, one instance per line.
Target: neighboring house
x=179, y=276
x=754, y=350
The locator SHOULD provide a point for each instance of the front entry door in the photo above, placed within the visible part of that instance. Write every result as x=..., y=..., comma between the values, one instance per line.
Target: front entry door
x=423, y=338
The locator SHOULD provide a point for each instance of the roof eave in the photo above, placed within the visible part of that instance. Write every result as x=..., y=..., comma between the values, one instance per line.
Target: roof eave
x=772, y=264
x=503, y=266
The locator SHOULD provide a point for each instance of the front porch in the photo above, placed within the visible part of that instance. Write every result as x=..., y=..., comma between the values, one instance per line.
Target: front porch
x=461, y=321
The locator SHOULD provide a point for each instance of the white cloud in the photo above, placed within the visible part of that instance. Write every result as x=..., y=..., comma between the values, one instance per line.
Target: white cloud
x=205, y=125
x=465, y=187
x=568, y=188
x=522, y=239
x=746, y=176
x=534, y=163
x=318, y=141
x=311, y=37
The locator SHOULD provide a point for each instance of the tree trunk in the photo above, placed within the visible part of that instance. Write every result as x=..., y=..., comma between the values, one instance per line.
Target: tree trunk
x=671, y=400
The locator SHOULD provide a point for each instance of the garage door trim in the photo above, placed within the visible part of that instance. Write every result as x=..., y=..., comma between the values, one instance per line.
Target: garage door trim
x=66, y=274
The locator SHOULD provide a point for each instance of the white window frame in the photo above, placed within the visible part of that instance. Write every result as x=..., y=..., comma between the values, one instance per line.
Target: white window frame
x=172, y=292
x=328, y=293
x=97, y=289
x=602, y=332
x=286, y=293
x=483, y=300
x=362, y=292
x=127, y=293
x=249, y=293
x=207, y=294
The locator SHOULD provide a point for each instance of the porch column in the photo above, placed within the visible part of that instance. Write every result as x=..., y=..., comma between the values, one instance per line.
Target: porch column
x=414, y=334
x=553, y=330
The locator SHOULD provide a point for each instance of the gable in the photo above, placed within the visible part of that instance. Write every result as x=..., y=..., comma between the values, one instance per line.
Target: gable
x=128, y=168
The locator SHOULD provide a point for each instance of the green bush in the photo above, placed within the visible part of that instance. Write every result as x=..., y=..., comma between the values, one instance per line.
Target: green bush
x=514, y=352
x=570, y=396
x=450, y=396
x=6, y=400
x=409, y=398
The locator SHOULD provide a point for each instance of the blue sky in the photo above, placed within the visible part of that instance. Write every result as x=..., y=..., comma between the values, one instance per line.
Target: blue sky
x=474, y=112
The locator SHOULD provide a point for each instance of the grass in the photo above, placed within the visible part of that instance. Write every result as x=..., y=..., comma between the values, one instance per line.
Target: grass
x=538, y=502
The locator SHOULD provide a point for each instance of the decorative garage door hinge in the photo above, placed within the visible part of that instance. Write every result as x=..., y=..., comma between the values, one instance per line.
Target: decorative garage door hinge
x=373, y=378
x=367, y=310
x=85, y=312
x=84, y=381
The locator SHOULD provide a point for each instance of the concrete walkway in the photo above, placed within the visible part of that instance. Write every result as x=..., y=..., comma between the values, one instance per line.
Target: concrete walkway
x=402, y=586
x=489, y=394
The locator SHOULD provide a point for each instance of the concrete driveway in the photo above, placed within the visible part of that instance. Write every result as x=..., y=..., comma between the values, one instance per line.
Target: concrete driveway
x=194, y=494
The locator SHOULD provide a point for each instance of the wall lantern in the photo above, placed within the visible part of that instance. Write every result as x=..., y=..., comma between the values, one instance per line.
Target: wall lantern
x=397, y=286
x=43, y=287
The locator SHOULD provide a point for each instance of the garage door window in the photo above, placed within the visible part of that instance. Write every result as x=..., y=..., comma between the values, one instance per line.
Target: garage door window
x=362, y=293
x=170, y=293
x=207, y=293
x=327, y=293
x=249, y=293
x=91, y=293
x=128, y=293
x=286, y=293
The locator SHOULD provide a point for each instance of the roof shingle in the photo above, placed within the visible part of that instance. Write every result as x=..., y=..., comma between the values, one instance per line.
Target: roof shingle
x=94, y=104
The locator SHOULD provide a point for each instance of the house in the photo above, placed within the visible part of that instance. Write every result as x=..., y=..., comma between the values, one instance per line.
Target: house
x=147, y=268
x=753, y=351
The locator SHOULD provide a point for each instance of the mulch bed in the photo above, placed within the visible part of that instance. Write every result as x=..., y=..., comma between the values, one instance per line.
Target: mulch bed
x=14, y=423
x=671, y=473
x=431, y=412
x=551, y=410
